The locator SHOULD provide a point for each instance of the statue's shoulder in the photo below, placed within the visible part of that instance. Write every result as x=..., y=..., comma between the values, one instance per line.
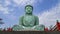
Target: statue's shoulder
x=21, y=17
x=36, y=16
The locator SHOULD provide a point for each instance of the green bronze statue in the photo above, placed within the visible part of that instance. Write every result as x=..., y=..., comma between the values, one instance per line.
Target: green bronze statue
x=28, y=21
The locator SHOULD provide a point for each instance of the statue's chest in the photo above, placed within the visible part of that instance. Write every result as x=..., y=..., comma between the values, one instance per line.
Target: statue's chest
x=28, y=19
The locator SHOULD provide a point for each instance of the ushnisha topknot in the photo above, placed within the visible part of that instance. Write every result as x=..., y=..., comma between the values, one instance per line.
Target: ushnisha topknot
x=29, y=6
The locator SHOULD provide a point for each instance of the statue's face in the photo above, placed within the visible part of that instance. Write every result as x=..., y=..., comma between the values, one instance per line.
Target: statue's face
x=29, y=9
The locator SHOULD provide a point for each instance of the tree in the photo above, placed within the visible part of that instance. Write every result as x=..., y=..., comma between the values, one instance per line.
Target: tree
x=1, y=21
x=9, y=29
x=0, y=29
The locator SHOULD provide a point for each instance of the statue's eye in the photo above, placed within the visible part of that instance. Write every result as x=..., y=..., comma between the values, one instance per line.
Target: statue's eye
x=27, y=7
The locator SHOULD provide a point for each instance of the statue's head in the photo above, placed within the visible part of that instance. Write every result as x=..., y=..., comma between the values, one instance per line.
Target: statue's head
x=28, y=9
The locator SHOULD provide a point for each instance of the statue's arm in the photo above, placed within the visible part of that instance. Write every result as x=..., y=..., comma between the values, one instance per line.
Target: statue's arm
x=37, y=20
x=20, y=20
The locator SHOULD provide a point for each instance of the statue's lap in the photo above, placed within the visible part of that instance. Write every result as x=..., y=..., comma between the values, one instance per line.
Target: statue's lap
x=22, y=28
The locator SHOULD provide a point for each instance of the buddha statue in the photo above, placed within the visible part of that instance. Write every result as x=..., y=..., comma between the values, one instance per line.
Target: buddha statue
x=28, y=22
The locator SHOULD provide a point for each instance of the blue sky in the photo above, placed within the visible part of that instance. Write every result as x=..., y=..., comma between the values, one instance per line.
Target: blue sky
x=47, y=11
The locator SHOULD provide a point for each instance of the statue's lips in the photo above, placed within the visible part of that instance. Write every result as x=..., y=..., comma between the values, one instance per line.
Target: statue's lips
x=29, y=11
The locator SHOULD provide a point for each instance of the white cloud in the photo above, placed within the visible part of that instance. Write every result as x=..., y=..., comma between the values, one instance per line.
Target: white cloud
x=7, y=2
x=22, y=2
x=4, y=7
x=25, y=2
x=4, y=10
x=50, y=16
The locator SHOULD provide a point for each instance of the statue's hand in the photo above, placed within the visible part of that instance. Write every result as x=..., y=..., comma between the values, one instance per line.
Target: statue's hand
x=17, y=28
